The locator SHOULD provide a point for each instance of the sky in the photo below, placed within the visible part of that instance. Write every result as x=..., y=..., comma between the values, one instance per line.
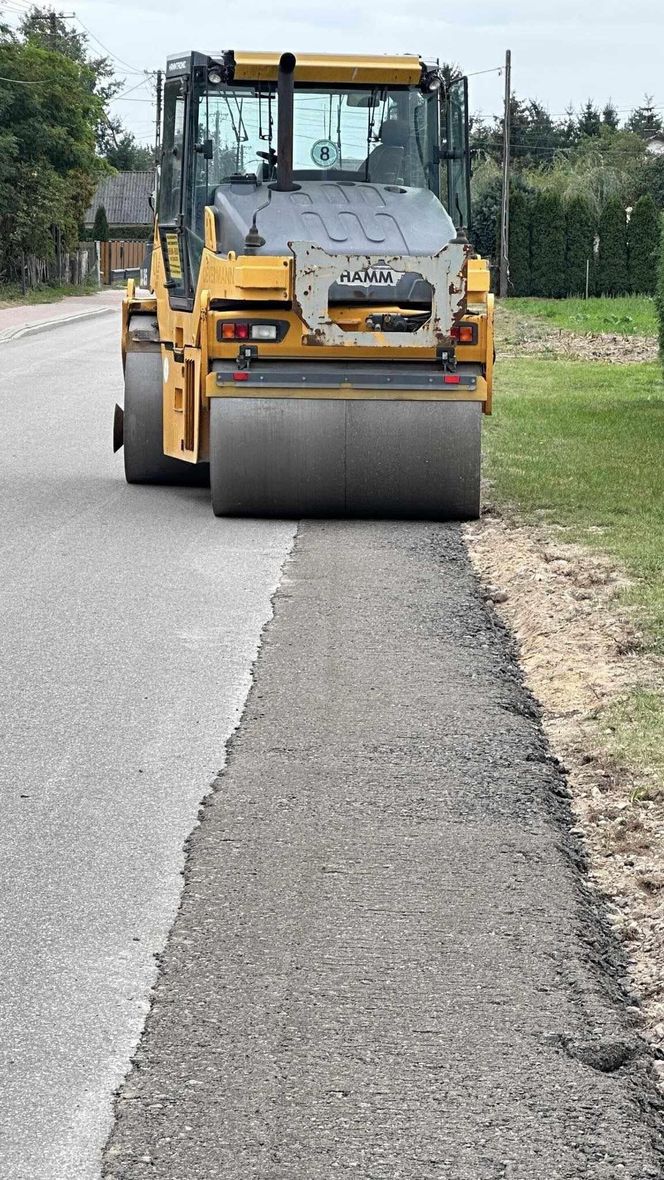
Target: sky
x=562, y=52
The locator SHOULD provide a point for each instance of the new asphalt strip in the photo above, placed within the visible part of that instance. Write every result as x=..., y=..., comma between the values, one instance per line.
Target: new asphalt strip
x=388, y=961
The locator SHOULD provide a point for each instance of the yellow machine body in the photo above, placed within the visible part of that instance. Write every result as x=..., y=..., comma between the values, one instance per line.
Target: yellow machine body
x=233, y=286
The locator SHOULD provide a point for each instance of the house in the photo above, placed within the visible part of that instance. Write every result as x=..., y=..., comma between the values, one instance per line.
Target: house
x=126, y=199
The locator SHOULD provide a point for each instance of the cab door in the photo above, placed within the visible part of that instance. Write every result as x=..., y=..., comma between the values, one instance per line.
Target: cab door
x=456, y=150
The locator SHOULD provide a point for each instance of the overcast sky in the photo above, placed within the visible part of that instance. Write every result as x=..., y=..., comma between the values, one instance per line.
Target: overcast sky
x=563, y=51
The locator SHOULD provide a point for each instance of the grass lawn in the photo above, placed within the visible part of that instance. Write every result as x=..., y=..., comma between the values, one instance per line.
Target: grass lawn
x=628, y=315
x=581, y=444
x=11, y=293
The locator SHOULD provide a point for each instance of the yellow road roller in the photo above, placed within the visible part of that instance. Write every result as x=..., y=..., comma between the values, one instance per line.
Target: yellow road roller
x=315, y=333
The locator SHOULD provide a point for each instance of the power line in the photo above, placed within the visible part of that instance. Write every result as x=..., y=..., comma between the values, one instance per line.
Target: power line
x=20, y=82
x=117, y=97
x=478, y=73
x=132, y=69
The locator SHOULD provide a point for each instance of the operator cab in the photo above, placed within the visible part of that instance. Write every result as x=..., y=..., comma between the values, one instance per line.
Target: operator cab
x=377, y=153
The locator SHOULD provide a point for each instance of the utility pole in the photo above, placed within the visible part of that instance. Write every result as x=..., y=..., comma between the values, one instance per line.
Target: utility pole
x=505, y=208
x=157, y=138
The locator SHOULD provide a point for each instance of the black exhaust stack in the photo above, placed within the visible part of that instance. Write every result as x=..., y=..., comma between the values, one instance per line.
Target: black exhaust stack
x=285, y=96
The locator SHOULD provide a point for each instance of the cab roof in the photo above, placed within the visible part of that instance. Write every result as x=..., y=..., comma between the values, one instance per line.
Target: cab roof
x=358, y=69
x=405, y=70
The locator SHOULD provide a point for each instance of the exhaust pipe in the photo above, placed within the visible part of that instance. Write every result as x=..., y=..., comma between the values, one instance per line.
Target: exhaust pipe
x=285, y=95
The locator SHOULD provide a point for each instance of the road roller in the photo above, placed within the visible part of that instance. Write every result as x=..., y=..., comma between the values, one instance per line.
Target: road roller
x=313, y=335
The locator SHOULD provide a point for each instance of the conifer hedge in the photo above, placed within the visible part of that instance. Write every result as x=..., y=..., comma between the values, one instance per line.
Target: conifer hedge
x=547, y=246
x=580, y=229
x=519, y=247
x=613, y=269
x=659, y=290
x=643, y=242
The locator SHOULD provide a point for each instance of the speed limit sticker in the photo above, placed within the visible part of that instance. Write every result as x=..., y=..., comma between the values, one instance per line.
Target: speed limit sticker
x=324, y=153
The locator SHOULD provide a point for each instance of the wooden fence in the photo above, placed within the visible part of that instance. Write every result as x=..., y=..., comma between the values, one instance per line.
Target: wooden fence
x=66, y=266
x=120, y=260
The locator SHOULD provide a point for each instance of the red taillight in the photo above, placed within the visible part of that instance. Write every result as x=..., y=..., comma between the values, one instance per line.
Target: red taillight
x=241, y=375
x=231, y=330
x=452, y=379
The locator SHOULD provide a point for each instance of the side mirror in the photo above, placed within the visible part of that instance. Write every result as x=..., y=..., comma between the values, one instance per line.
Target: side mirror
x=205, y=149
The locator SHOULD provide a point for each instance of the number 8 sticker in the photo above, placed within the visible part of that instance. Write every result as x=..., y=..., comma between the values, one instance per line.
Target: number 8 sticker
x=324, y=153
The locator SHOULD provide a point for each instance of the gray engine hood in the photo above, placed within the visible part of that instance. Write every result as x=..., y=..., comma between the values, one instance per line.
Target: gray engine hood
x=347, y=218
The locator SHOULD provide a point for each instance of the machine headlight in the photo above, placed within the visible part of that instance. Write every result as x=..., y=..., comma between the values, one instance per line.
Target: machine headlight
x=431, y=80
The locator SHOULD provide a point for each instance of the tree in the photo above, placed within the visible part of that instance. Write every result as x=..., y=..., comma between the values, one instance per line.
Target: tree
x=589, y=122
x=450, y=71
x=610, y=117
x=48, y=164
x=652, y=179
x=643, y=242
x=613, y=272
x=659, y=293
x=547, y=245
x=100, y=230
x=128, y=156
x=644, y=121
x=519, y=249
x=580, y=228
x=46, y=29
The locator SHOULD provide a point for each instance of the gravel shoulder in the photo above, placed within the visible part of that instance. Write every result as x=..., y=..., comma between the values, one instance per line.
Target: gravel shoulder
x=388, y=960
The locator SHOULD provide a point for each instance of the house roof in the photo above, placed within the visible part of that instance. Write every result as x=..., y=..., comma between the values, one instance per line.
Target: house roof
x=125, y=197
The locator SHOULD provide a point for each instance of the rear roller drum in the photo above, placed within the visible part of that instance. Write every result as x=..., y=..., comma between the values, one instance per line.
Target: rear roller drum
x=144, y=459
x=292, y=457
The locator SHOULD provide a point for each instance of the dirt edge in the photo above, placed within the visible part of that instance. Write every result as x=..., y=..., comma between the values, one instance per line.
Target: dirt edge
x=580, y=653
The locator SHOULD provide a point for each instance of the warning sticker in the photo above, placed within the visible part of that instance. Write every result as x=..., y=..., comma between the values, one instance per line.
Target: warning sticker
x=173, y=255
x=324, y=153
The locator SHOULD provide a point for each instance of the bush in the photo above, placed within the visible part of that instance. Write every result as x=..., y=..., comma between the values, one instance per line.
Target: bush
x=486, y=218
x=643, y=242
x=659, y=290
x=547, y=246
x=579, y=245
x=100, y=230
x=613, y=270
x=519, y=250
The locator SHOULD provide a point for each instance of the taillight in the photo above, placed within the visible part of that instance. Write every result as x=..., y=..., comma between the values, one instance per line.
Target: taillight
x=241, y=330
x=465, y=333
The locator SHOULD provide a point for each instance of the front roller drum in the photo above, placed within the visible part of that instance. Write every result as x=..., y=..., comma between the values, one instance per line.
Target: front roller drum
x=293, y=457
x=142, y=429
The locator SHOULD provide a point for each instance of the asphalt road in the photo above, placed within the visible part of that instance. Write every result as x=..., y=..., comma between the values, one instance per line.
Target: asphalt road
x=130, y=620
x=387, y=964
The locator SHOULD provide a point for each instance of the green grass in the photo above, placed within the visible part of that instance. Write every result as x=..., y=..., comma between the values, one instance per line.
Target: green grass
x=637, y=725
x=628, y=315
x=581, y=445
x=11, y=293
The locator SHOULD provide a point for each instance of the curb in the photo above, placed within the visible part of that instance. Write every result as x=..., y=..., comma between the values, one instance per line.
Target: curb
x=46, y=325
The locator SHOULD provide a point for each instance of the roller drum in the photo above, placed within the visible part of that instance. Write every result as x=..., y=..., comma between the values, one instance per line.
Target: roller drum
x=294, y=457
x=144, y=459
